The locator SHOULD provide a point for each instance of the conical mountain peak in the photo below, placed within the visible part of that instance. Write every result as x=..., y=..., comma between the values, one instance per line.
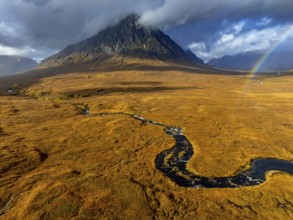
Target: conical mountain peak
x=128, y=38
x=131, y=19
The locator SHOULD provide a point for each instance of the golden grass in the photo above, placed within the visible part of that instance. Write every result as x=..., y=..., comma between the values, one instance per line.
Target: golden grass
x=102, y=167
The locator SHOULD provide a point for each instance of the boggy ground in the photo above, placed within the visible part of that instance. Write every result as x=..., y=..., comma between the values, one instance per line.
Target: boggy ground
x=56, y=163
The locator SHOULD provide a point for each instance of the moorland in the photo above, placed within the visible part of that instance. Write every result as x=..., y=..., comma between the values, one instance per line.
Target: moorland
x=58, y=163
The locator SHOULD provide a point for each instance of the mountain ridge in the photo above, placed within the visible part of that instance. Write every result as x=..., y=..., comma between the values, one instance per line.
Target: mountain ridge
x=278, y=61
x=11, y=65
x=128, y=38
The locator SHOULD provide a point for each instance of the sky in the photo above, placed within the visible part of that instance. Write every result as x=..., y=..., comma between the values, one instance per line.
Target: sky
x=210, y=28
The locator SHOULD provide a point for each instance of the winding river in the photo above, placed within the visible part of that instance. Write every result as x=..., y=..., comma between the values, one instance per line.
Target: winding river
x=172, y=162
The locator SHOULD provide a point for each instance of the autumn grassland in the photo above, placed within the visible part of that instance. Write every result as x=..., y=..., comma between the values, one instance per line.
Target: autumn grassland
x=56, y=163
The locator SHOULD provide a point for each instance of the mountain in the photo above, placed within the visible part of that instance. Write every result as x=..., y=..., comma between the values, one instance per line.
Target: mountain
x=246, y=61
x=128, y=39
x=10, y=65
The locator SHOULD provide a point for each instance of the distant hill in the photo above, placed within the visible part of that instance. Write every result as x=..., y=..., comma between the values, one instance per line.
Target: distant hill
x=126, y=39
x=10, y=65
x=246, y=61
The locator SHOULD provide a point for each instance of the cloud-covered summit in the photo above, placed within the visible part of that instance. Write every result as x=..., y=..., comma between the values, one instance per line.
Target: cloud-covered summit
x=38, y=28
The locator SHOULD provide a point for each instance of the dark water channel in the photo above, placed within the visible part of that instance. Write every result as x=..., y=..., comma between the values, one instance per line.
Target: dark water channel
x=172, y=162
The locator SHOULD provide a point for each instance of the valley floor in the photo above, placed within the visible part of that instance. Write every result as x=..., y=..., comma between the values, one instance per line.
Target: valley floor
x=58, y=163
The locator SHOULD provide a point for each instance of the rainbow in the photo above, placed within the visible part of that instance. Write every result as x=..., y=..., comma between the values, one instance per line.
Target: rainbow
x=266, y=55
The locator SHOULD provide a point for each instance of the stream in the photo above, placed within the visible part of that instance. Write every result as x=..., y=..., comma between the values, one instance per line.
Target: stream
x=172, y=162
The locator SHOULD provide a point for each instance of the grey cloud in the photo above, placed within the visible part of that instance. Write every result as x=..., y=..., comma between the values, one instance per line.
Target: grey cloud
x=38, y=2
x=50, y=25
x=205, y=21
x=56, y=23
x=11, y=41
x=174, y=12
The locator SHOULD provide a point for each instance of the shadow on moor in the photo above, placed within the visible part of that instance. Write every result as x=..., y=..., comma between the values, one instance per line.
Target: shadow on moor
x=30, y=78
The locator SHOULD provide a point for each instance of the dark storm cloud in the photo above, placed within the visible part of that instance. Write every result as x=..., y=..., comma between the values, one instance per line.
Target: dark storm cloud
x=53, y=24
x=174, y=12
x=202, y=19
x=11, y=41
x=216, y=28
x=38, y=2
x=38, y=27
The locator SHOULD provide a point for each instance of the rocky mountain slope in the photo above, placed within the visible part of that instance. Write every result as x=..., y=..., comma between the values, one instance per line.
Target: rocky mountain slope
x=10, y=65
x=128, y=39
x=246, y=61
